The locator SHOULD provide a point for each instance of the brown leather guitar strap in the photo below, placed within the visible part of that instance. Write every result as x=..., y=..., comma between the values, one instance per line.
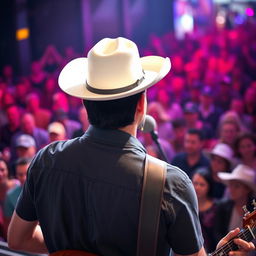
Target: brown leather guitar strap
x=150, y=206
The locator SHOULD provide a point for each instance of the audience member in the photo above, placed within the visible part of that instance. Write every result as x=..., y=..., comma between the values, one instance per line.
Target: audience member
x=191, y=116
x=164, y=126
x=11, y=128
x=177, y=90
x=172, y=109
x=228, y=132
x=5, y=184
x=12, y=195
x=249, y=100
x=48, y=93
x=241, y=186
x=193, y=157
x=21, y=92
x=8, y=76
x=8, y=99
x=208, y=113
x=70, y=125
x=203, y=184
x=38, y=76
x=179, y=131
x=56, y=131
x=221, y=160
x=246, y=149
x=237, y=106
x=60, y=102
x=29, y=127
x=224, y=94
x=25, y=146
x=194, y=92
x=42, y=116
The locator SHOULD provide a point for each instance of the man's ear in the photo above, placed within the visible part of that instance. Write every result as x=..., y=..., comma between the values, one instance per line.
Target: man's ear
x=142, y=104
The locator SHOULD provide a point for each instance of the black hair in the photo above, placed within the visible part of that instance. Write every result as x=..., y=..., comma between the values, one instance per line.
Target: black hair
x=178, y=123
x=207, y=176
x=197, y=132
x=112, y=114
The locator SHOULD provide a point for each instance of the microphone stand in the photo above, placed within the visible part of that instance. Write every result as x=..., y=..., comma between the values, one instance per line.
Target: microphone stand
x=154, y=137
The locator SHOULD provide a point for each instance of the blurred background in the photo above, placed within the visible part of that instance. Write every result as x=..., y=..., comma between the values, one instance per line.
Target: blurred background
x=29, y=26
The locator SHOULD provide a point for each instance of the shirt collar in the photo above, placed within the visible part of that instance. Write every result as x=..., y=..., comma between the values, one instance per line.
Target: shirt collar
x=113, y=137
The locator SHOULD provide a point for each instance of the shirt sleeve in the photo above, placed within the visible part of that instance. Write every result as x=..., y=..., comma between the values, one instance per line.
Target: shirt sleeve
x=8, y=206
x=25, y=207
x=184, y=233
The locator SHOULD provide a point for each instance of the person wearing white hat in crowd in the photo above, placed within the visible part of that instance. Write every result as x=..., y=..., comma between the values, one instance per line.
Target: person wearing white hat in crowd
x=85, y=192
x=241, y=187
x=221, y=160
x=56, y=131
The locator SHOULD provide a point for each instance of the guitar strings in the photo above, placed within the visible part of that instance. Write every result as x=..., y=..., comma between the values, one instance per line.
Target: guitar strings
x=230, y=245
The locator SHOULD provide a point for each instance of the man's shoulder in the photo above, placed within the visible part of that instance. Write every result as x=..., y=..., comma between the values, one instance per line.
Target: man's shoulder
x=58, y=148
x=177, y=176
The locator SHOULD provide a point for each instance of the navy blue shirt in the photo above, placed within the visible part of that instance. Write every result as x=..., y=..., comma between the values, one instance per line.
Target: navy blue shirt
x=180, y=160
x=85, y=192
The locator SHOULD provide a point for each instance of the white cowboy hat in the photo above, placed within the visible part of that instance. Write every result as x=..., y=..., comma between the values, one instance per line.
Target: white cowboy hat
x=242, y=173
x=112, y=70
x=223, y=150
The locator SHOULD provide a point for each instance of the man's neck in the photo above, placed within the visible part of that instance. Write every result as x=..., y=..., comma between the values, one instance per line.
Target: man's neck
x=131, y=129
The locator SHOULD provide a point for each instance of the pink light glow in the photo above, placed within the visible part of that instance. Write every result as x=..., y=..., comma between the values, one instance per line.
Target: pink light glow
x=249, y=12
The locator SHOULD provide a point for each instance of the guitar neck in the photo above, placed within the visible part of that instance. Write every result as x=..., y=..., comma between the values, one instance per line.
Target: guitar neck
x=247, y=234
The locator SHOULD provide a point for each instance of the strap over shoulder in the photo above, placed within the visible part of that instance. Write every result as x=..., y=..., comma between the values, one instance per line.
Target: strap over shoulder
x=150, y=206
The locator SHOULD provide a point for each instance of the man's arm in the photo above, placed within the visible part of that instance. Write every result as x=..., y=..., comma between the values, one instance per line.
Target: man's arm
x=25, y=235
x=244, y=247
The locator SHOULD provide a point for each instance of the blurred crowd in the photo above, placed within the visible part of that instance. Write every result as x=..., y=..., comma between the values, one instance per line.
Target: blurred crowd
x=205, y=112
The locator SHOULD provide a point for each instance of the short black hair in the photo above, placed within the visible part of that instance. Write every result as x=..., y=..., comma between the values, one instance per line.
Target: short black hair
x=178, y=123
x=197, y=132
x=112, y=114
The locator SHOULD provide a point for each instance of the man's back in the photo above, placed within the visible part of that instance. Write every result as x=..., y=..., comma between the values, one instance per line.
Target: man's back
x=87, y=194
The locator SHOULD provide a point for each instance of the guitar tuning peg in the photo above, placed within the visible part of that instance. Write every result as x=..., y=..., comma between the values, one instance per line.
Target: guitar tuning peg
x=246, y=212
x=254, y=204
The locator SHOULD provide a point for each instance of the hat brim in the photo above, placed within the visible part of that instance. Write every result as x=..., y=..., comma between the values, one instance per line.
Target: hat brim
x=226, y=177
x=229, y=160
x=72, y=78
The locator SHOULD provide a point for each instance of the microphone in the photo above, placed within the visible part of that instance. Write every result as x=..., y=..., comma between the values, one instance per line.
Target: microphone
x=150, y=127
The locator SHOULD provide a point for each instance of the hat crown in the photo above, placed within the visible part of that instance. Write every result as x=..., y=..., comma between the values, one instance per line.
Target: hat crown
x=25, y=140
x=223, y=150
x=244, y=172
x=114, y=63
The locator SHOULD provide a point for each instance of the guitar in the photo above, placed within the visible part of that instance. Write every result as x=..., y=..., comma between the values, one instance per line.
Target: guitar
x=248, y=233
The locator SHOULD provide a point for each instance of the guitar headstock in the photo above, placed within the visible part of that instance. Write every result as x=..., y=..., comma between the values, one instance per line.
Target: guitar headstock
x=249, y=218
